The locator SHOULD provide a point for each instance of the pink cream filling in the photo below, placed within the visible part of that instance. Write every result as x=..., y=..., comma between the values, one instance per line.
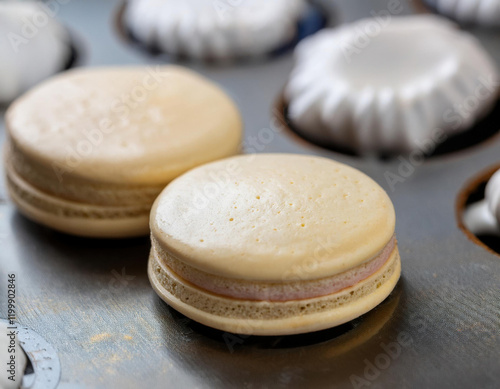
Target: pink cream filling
x=286, y=291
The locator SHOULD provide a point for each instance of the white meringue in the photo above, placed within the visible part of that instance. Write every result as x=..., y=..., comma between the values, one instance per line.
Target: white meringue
x=33, y=46
x=218, y=29
x=481, y=12
x=389, y=86
x=483, y=217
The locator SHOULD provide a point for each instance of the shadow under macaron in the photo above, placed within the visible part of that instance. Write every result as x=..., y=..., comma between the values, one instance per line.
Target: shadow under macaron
x=69, y=253
x=336, y=353
x=368, y=324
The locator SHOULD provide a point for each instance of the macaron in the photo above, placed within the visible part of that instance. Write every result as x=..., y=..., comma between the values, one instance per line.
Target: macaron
x=273, y=244
x=406, y=85
x=89, y=150
x=216, y=30
x=480, y=12
x=33, y=46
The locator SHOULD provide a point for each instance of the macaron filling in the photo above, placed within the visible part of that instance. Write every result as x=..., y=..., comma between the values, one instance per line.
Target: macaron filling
x=290, y=288
x=49, y=179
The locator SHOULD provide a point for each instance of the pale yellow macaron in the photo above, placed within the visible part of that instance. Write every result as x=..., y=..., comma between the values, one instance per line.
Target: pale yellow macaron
x=273, y=244
x=89, y=150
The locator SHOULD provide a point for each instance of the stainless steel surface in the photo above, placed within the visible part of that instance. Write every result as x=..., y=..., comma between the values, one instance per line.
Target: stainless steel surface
x=92, y=301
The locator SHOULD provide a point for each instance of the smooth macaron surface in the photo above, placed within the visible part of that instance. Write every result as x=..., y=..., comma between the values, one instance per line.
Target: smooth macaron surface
x=88, y=151
x=141, y=126
x=266, y=217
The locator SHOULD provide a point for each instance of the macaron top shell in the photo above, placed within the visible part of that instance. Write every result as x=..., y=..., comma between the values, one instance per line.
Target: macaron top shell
x=126, y=125
x=273, y=217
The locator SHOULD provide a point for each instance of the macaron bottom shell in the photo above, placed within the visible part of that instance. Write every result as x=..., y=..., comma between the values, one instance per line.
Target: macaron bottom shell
x=76, y=218
x=274, y=318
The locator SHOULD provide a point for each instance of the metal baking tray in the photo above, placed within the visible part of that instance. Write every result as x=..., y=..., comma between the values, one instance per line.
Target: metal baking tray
x=91, y=299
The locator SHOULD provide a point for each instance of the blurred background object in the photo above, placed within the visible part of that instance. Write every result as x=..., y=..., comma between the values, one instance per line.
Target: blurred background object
x=33, y=46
